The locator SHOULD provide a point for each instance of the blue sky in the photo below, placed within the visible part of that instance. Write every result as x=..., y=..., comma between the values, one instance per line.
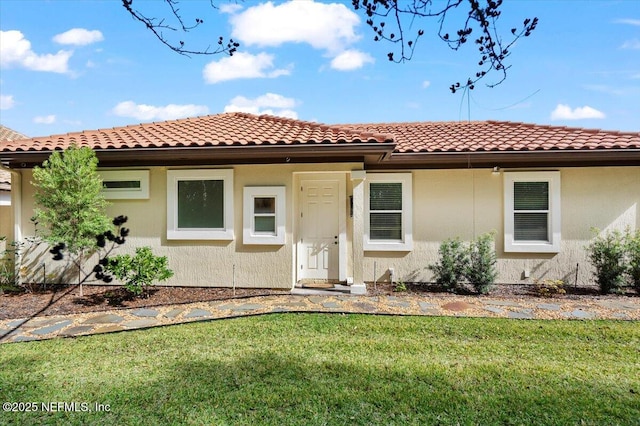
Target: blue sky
x=69, y=65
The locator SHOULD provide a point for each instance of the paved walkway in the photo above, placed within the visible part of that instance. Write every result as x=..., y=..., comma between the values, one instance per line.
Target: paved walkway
x=46, y=327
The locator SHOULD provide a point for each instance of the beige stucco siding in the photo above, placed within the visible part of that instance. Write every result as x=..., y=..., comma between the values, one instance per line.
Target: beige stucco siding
x=209, y=263
x=446, y=204
x=467, y=203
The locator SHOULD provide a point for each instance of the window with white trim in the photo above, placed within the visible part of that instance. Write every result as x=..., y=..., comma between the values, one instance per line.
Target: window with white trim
x=125, y=184
x=532, y=212
x=200, y=204
x=264, y=215
x=388, y=207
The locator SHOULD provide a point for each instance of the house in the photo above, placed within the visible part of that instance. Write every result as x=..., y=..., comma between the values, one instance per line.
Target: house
x=263, y=201
x=6, y=218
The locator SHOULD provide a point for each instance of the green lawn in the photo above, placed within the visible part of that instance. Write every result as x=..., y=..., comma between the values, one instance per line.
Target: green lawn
x=311, y=369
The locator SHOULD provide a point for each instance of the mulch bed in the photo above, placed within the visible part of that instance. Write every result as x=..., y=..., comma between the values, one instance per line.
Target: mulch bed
x=61, y=300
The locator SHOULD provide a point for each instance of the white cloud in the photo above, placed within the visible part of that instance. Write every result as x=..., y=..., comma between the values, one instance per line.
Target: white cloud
x=16, y=50
x=45, y=119
x=329, y=27
x=144, y=112
x=426, y=84
x=635, y=76
x=635, y=22
x=564, y=112
x=631, y=44
x=78, y=37
x=242, y=65
x=351, y=60
x=7, y=102
x=229, y=8
x=269, y=103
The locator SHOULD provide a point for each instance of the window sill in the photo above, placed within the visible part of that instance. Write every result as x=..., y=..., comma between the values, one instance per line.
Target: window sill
x=200, y=235
x=531, y=247
x=387, y=246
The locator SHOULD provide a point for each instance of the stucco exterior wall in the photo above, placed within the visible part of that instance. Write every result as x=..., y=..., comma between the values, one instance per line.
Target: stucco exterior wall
x=6, y=227
x=446, y=204
x=467, y=203
x=202, y=263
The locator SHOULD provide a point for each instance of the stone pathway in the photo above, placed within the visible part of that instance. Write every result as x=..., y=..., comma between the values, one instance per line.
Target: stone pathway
x=20, y=330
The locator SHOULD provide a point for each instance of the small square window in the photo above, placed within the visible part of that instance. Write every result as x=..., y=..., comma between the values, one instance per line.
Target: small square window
x=264, y=215
x=200, y=204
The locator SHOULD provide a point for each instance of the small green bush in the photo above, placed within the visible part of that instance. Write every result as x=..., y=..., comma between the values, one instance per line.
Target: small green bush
x=607, y=254
x=451, y=264
x=481, y=269
x=550, y=288
x=633, y=252
x=400, y=286
x=139, y=271
x=476, y=263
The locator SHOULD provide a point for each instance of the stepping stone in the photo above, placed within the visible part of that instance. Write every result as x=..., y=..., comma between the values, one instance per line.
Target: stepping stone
x=549, y=306
x=400, y=304
x=51, y=328
x=330, y=305
x=173, y=313
x=16, y=323
x=145, y=313
x=279, y=310
x=140, y=323
x=364, y=306
x=500, y=303
x=109, y=329
x=295, y=304
x=520, y=315
x=4, y=331
x=621, y=315
x=104, y=319
x=457, y=306
x=579, y=314
x=24, y=339
x=345, y=298
x=614, y=304
x=42, y=322
x=197, y=313
x=74, y=331
x=392, y=298
x=317, y=299
x=248, y=307
x=225, y=307
x=494, y=309
x=431, y=312
x=426, y=305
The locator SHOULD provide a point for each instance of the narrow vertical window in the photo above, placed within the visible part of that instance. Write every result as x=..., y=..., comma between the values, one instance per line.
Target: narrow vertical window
x=532, y=212
x=388, y=215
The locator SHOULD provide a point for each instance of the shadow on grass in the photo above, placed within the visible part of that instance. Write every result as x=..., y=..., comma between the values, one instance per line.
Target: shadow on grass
x=279, y=387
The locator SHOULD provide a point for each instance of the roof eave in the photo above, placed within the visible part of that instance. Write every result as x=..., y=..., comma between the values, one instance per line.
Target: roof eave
x=479, y=159
x=214, y=155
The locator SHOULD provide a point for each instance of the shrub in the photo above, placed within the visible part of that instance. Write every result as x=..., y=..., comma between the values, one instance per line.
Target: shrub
x=400, y=286
x=139, y=271
x=607, y=254
x=481, y=268
x=633, y=253
x=451, y=264
x=550, y=288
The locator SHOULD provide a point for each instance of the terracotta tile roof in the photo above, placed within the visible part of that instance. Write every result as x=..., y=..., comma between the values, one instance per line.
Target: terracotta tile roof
x=6, y=135
x=229, y=129
x=485, y=136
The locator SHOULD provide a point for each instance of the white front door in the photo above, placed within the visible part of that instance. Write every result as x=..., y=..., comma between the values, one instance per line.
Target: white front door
x=319, y=230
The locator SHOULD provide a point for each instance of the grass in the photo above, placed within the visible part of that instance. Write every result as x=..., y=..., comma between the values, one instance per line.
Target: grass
x=336, y=369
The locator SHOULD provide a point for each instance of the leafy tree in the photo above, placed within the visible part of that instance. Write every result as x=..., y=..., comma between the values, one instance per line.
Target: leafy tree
x=71, y=207
x=398, y=22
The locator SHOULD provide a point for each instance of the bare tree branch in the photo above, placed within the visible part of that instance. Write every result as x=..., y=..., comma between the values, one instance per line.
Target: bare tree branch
x=157, y=27
x=480, y=16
